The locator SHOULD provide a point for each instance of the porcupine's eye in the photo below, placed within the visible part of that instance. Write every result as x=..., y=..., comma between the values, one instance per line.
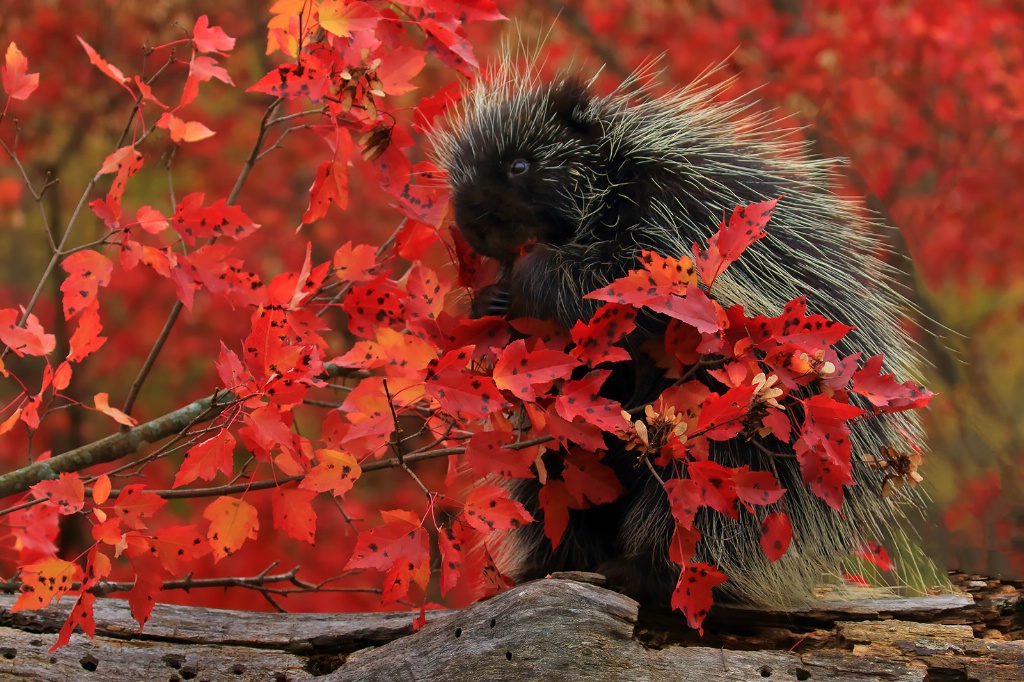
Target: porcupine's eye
x=518, y=167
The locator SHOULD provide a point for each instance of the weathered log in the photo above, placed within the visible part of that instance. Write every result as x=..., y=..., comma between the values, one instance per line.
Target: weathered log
x=554, y=629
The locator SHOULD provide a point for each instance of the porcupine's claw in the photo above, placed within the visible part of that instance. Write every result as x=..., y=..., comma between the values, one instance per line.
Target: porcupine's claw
x=491, y=300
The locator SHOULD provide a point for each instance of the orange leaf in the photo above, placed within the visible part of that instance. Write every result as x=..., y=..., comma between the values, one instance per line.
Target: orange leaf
x=343, y=17
x=336, y=471
x=87, y=270
x=293, y=513
x=232, y=522
x=86, y=340
x=43, y=580
x=101, y=489
x=18, y=83
x=184, y=131
x=67, y=492
x=489, y=507
x=117, y=415
x=101, y=64
x=134, y=503
x=27, y=340
x=82, y=615
x=205, y=459
x=211, y=38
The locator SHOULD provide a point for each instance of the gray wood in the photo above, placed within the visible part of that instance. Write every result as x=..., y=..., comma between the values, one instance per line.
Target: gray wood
x=554, y=629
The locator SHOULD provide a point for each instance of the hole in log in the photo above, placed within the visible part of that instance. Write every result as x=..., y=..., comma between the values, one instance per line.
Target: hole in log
x=173, y=661
x=493, y=622
x=508, y=655
x=8, y=653
x=802, y=674
x=89, y=663
x=458, y=632
x=765, y=671
x=238, y=669
x=189, y=673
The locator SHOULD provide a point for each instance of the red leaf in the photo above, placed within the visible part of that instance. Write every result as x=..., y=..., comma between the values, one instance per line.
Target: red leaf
x=756, y=487
x=67, y=492
x=18, y=83
x=776, y=535
x=87, y=270
x=343, y=17
x=595, y=340
x=695, y=309
x=684, y=499
x=519, y=371
x=134, y=504
x=692, y=595
x=401, y=539
x=459, y=392
x=81, y=615
x=716, y=486
x=486, y=453
x=211, y=38
x=28, y=340
x=293, y=513
x=194, y=221
x=721, y=416
x=398, y=67
x=580, y=398
x=586, y=476
x=451, y=558
x=489, y=507
x=884, y=393
x=232, y=522
x=555, y=501
x=875, y=553
x=745, y=227
x=176, y=546
x=683, y=545
x=376, y=304
x=330, y=185
x=205, y=459
x=823, y=448
x=794, y=327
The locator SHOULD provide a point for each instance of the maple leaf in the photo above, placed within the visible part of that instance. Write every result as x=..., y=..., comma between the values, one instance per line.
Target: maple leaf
x=293, y=513
x=555, y=501
x=490, y=507
x=692, y=594
x=756, y=487
x=661, y=278
x=102, y=405
x=884, y=392
x=292, y=81
x=86, y=338
x=330, y=186
x=87, y=270
x=716, y=486
x=204, y=459
x=398, y=67
x=875, y=553
x=519, y=371
x=375, y=304
x=823, y=448
x=342, y=18
x=683, y=545
x=586, y=476
x=34, y=530
x=745, y=227
x=232, y=522
x=101, y=489
x=67, y=492
x=44, y=580
x=458, y=391
x=30, y=339
x=18, y=83
x=211, y=38
x=580, y=398
x=178, y=545
x=81, y=615
x=721, y=416
x=194, y=221
x=486, y=454
x=776, y=535
x=355, y=263
x=336, y=471
x=102, y=64
x=450, y=547
x=684, y=499
x=400, y=548
x=151, y=220
x=183, y=131
x=595, y=340
x=134, y=504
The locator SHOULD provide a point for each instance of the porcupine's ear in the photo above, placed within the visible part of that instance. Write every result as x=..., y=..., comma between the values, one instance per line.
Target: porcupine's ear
x=569, y=103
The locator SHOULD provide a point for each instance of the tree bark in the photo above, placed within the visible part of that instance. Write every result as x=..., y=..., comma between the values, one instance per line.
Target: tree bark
x=553, y=629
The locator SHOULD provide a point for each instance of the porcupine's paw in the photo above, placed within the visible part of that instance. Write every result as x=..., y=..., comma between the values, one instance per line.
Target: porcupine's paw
x=491, y=300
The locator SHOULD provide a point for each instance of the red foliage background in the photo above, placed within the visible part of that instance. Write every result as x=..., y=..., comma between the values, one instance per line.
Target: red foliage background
x=924, y=98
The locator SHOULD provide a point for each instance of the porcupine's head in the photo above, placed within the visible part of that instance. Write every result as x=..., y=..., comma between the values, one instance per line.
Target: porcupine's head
x=521, y=158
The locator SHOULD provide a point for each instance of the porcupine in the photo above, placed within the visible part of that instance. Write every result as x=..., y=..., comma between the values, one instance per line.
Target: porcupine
x=565, y=188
